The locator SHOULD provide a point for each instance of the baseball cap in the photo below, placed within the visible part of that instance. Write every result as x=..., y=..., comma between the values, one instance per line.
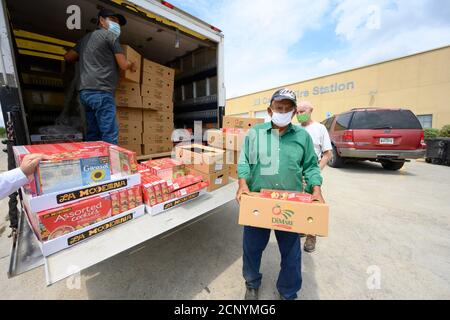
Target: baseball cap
x=108, y=13
x=284, y=94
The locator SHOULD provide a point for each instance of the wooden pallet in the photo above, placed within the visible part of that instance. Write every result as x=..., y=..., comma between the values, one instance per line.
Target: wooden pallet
x=154, y=156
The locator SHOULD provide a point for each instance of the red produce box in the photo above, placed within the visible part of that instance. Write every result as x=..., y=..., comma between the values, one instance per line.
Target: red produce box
x=149, y=195
x=115, y=203
x=70, y=165
x=166, y=168
x=123, y=199
x=123, y=161
x=191, y=189
x=56, y=222
x=138, y=195
x=286, y=195
x=131, y=199
x=182, y=182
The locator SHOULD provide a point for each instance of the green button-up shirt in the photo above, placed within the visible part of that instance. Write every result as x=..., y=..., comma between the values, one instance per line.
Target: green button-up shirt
x=272, y=161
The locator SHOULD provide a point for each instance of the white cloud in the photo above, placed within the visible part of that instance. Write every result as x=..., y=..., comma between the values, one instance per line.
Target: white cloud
x=405, y=27
x=258, y=36
x=327, y=63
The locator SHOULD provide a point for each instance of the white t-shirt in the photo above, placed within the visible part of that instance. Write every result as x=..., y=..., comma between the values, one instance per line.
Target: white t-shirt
x=320, y=138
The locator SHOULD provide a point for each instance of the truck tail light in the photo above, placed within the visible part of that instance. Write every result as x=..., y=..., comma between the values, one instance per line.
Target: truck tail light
x=422, y=140
x=348, y=136
x=216, y=29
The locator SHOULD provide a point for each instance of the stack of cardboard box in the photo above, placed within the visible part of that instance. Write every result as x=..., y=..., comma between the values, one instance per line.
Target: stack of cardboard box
x=129, y=104
x=204, y=161
x=231, y=137
x=144, y=102
x=157, y=97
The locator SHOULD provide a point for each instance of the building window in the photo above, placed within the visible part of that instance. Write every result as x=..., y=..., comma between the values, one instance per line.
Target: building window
x=426, y=120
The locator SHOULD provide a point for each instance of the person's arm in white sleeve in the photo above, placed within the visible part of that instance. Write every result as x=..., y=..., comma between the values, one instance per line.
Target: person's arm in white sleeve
x=10, y=181
x=326, y=148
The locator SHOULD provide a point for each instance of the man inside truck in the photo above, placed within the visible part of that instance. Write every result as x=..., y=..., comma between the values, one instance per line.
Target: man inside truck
x=291, y=159
x=99, y=54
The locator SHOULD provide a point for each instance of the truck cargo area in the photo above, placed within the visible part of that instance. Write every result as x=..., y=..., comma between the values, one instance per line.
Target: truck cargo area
x=41, y=36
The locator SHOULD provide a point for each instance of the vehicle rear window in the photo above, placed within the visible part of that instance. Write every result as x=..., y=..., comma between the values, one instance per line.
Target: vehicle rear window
x=385, y=119
x=343, y=121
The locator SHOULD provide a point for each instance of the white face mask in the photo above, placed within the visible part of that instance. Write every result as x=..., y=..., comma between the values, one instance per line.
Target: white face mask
x=282, y=119
x=114, y=27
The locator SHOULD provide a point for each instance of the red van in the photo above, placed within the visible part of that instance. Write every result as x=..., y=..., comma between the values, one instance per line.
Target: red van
x=388, y=136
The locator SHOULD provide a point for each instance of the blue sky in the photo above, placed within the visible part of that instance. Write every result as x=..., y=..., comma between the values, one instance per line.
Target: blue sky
x=270, y=43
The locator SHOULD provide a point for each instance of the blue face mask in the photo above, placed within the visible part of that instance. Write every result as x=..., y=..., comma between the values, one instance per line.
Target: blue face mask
x=114, y=27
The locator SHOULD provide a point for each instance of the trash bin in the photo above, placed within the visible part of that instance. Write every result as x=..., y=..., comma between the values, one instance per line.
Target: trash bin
x=438, y=150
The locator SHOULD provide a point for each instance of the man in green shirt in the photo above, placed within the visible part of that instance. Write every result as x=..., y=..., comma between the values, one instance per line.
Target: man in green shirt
x=277, y=155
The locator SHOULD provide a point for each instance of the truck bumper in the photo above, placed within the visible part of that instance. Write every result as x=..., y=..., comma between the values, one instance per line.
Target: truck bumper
x=382, y=154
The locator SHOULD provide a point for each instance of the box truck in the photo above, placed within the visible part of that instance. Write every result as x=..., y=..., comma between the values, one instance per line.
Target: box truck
x=38, y=98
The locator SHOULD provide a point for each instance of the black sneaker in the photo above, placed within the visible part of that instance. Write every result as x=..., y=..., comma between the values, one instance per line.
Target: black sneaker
x=310, y=244
x=251, y=294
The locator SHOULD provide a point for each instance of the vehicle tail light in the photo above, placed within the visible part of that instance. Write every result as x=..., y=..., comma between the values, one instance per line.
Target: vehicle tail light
x=422, y=140
x=216, y=29
x=348, y=136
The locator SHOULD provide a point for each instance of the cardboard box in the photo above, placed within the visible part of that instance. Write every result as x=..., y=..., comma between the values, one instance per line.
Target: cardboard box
x=157, y=105
x=129, y=87
x=157, y=138
x=70, y=165
x=157, y=94
x=226, y=139
x=232, y=171
x=202, y=158
x=215, y=138
x=152, y=79
x=127, y=99
x=157, y=116
x=133, y=56
x=133, y=137
x=232, y=157
x=235, y=140
x=126, y=140
x=161, y=127
x=156, y=148
x=128, y=128
x=240, y=123
x=291, y=216
x=129, y=115
x=136, y=148
x=54, y=223
x=215, y=180
x=158, y=70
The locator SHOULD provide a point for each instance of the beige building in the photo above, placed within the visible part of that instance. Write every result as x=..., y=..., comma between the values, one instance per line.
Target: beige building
x=420, y=82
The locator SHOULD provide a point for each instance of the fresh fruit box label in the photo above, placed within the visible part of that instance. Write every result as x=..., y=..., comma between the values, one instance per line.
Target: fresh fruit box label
x=286, y=195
